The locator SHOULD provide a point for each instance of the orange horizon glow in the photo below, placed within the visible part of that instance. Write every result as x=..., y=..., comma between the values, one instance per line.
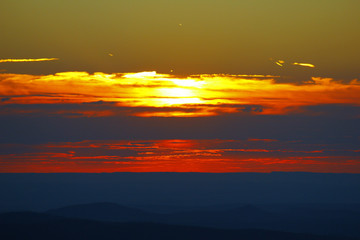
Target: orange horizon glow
x=178, y=155
x=192, y=96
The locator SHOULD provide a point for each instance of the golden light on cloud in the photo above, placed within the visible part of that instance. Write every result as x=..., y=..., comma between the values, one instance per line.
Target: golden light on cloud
x=282, y=63
x=304, y=64
x=28, y=60
x=168, y=95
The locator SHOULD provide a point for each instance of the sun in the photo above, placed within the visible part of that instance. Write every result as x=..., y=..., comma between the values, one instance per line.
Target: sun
x=178, y=96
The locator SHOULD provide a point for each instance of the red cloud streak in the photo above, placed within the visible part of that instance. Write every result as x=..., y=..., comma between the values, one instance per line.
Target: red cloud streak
x=177, y=156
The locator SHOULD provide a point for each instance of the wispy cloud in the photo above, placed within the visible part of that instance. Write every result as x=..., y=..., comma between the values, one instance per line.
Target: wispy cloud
x=304, y=64
x=28, y=60
x=282, y=63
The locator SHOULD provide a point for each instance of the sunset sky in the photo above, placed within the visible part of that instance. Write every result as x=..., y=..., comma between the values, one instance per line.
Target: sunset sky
x=179, y=86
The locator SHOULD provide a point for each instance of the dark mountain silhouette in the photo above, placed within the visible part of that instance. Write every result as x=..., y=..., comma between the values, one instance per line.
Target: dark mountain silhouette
x=304, y=220
x=62, y=228
x=240, y=217
x=26, y=217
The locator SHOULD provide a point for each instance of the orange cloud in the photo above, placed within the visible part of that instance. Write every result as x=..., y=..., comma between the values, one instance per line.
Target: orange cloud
x=170, y=96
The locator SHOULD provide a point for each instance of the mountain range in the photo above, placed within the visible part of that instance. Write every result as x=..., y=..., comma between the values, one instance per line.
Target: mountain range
x=313, y=221
x=41, y=226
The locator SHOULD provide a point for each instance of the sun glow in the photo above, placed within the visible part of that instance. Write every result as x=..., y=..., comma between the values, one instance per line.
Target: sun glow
x=149, y=94
x=176, y=92
x=180, y=101
x=188, y=83
x=140, y=75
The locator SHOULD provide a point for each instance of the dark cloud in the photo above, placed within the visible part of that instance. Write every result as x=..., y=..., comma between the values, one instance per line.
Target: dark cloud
x=306, y=128
x=103, y=108
x=334, y=110
x=101, y=102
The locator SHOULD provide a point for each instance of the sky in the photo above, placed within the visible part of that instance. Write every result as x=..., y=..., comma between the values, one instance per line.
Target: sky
x=179, y=86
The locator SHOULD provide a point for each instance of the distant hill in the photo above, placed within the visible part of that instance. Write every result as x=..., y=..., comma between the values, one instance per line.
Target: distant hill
x=304, y=220
x=240, y=217
x=62, y=228
x=51, y=190
x=26, y=217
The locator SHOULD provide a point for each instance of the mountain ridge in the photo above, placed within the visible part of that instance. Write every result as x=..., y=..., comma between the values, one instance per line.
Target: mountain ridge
x=66, y=228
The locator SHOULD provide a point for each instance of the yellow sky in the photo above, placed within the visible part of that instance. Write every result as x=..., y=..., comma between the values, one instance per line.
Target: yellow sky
x=182, y=36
